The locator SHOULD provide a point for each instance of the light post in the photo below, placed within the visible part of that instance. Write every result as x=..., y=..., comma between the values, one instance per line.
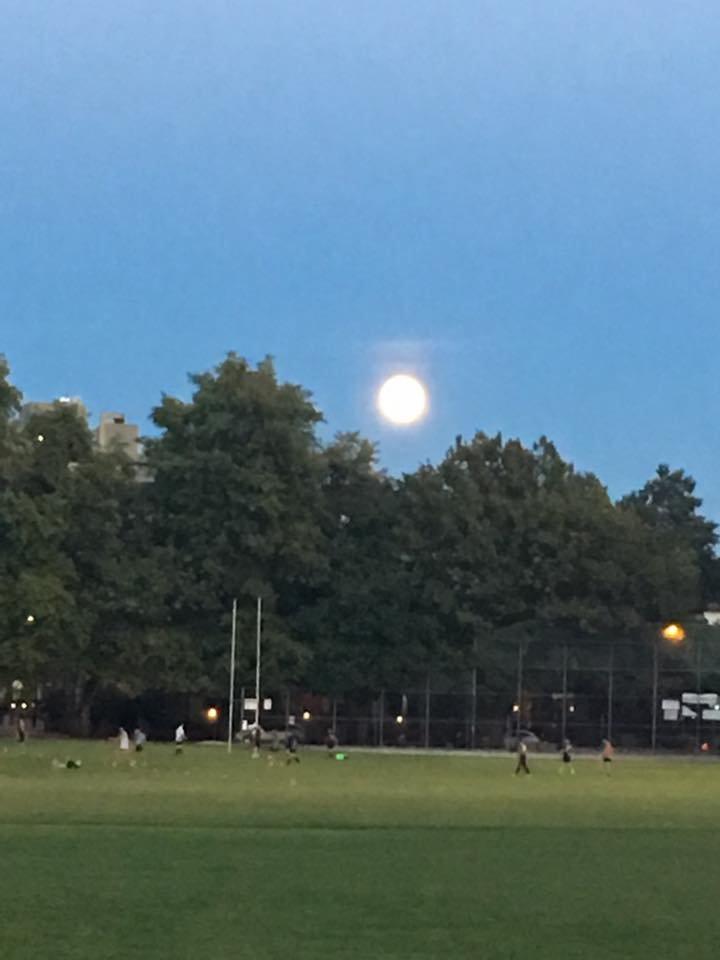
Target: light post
x=673, y=633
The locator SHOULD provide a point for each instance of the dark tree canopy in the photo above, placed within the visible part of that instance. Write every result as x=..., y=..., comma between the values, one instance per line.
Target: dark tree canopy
x=110, y=583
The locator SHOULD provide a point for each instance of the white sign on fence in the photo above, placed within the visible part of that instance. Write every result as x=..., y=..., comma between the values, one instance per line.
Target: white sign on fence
x=706, y=699
x=250, y=703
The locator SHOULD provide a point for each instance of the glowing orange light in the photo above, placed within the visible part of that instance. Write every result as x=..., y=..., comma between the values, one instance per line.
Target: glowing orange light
x=674, y=633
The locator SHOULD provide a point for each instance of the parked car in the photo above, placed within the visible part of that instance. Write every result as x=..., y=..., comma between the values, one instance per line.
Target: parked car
x=531, y=740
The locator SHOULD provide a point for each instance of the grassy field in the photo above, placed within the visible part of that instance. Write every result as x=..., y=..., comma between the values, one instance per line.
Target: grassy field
x=381, y=856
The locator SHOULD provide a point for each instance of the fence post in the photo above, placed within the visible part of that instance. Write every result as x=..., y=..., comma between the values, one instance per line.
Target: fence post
x=473, y=719
x=381, y=719
x=653, y=733
x=427, y=711
x=611, y=668
x=334, y=714
x=519, y=689
x=563, y=733
x=698, y=684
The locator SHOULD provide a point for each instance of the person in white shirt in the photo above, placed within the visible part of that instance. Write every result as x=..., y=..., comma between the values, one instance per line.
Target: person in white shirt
x=140, y=739
x=124, y=739
x=180, y=738
x=522, y=758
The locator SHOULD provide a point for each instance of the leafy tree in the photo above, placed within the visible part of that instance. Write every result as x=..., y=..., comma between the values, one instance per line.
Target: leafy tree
x=235, y=500
x=356, y=629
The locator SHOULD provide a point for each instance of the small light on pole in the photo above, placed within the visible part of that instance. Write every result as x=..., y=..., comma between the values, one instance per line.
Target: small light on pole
x=400, y=719
x=30, y=618
x=306, y=715
x=212, y=713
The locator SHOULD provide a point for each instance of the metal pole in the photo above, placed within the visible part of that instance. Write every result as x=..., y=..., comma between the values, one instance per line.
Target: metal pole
x=698, y=685
x=231, y=706
x=258, y=632
x=427, y=711
x=519, y=689
x=653, y=733
x=473, y=719
x=242, y=707
x=563, y=732
x=611, y=669
x=334, y=714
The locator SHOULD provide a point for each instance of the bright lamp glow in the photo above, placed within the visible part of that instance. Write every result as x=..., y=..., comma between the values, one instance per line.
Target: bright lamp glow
x=306, y=715
x=674, y=633
x=212, y=713
x=402, y=399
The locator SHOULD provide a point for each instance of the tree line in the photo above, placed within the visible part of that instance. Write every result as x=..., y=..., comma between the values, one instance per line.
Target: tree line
x=115, y=582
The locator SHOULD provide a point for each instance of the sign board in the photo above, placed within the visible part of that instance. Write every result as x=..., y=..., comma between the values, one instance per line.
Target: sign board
x=250, y=703
x=670, y=709
x=712, y=715
x=267, y=703
x=706, y=699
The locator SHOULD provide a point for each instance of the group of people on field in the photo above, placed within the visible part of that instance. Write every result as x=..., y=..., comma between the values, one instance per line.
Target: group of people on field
x=566, y=759
x=292, y=741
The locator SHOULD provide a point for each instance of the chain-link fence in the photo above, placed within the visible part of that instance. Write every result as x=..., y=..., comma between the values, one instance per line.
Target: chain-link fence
x=640, y=697
x=648, y=694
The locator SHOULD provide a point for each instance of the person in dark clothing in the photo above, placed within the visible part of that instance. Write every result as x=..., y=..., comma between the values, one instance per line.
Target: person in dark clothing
x=567, y=757
x=331, y=742
x=291, y=743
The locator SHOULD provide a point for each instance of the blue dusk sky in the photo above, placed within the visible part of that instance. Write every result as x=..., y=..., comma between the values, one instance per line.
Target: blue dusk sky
x=517, y=200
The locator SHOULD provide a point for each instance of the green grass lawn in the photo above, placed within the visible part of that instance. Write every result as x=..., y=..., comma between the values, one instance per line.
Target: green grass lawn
x=205, y=856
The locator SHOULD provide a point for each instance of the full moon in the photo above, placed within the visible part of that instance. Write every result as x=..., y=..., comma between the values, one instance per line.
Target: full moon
x=402, y=399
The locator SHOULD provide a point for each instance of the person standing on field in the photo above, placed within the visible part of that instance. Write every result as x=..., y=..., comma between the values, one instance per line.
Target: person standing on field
x=123, y=739
x=180, y=738
x=21, y=730
x=522, y=758
x=608, y=752
x=567, y=758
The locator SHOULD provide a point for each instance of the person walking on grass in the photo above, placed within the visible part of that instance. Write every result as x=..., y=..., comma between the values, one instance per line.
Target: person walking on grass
x=21, y=730
x=608, y=752
x=567, y=758
x=291, y=744
x=123, y=740
x=331, y=742
x=522, y=758
x=180, y=738
x=139, y=739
